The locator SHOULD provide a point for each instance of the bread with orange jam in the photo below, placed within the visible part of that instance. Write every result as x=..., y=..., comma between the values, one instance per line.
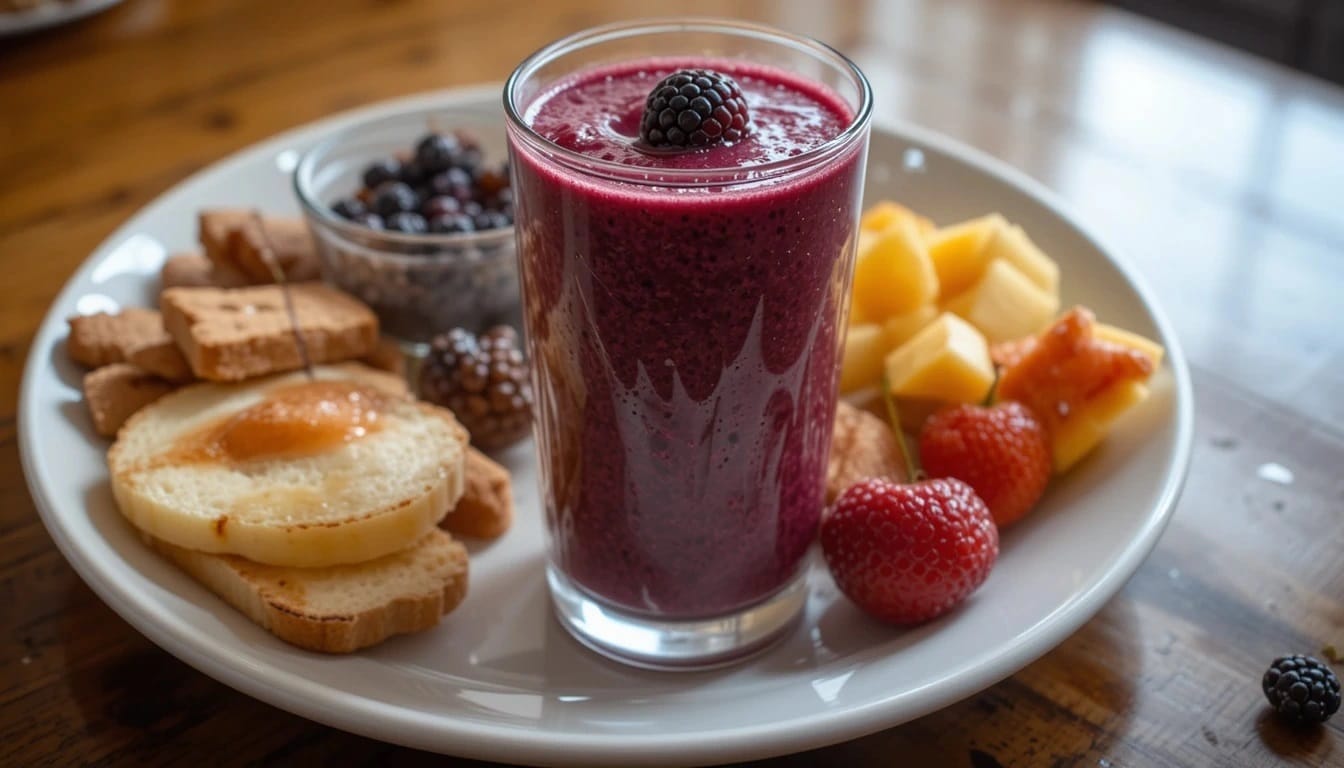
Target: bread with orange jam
x=289, y=471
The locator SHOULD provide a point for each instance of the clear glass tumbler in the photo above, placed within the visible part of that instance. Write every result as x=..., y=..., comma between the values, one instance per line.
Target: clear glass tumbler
x=684, y=316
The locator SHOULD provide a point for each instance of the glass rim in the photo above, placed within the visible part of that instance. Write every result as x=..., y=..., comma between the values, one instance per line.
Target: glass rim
x=683, y=177
x=304, y=179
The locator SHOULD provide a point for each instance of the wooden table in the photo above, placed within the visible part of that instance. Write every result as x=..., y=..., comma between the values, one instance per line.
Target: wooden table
x=1220, y=176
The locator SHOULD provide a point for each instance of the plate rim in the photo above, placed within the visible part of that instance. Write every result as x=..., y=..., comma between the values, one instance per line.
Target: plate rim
x=419, y=729
x=44, y=17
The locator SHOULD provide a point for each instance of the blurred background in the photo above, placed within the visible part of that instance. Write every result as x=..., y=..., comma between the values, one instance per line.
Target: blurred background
x=1303, y=34
x=1194, y=158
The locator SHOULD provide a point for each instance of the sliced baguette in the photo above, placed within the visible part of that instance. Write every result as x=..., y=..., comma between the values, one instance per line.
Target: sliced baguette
x=337, y=609
x=359, y=500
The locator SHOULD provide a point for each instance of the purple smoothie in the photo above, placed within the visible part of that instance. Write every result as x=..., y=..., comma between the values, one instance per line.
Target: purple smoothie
x=685, y=339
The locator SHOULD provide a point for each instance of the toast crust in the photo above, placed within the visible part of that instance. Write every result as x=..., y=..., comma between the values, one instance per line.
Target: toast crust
x=277, y=598
x=485, y=510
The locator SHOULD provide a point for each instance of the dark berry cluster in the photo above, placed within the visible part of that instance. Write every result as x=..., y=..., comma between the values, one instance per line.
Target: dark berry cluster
x=483, y=381
x=1301, y=689
x=443, y=186
x=694, y=108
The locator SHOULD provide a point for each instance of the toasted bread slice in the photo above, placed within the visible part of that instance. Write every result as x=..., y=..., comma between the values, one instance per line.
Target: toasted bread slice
x=485, y=510
x=352, y=496
x=340, y=608
x=115, y=392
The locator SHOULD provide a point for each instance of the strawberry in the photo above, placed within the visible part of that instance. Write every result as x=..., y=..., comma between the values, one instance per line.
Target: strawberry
x=906, y=554
x=1002, y=452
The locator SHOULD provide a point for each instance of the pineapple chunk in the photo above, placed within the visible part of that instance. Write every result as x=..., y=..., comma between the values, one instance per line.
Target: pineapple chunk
x=1005, y=304
x=865, y=347
x=885, y=214
x=1012, y=245
x=893, y=273
x=1076, y=436
x=1149, y=348
x=948, y=360
x=958, y=251
x=899, y=328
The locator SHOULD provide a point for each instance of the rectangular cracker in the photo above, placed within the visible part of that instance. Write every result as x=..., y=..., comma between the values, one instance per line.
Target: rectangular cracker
x=215, y=228
x=284, y=239
x=115, y=392
x=485, y=510
x=162, y=358
x=103, y=339
x=193, y=270
x=234, y=334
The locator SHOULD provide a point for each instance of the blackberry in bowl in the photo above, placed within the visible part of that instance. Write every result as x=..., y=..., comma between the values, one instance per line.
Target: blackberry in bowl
x=413, y=214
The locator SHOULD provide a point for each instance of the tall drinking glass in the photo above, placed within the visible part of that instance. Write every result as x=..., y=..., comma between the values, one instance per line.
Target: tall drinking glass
x=684, y=311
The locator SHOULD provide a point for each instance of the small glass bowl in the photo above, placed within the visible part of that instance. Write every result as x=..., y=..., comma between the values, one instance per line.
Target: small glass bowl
x=418, y=285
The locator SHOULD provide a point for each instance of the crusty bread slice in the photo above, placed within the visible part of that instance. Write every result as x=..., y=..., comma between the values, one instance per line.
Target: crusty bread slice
x=115, y=392
x=355, y=500
x=485, y=510
x=340, y=608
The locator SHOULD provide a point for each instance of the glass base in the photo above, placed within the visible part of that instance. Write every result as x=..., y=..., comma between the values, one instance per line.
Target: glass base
x=651, y=643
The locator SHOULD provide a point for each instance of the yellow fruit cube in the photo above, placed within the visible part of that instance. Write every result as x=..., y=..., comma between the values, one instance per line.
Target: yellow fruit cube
x=886, y=214
x=1149, y=348
x=899, y=328
x=948, y=360
x=1076, y=436
x=1005, y=304
x=1012, y=245
x=865, y=347
x=958, y=252
x=892, y=273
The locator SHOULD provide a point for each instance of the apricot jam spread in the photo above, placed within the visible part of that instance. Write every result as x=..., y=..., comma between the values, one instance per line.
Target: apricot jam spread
x=303, y=419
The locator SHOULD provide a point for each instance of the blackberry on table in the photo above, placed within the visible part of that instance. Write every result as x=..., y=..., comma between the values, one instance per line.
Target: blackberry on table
x=1301, y=689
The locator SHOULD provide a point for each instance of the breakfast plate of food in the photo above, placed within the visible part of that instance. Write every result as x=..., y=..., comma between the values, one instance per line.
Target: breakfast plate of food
x=381, y=565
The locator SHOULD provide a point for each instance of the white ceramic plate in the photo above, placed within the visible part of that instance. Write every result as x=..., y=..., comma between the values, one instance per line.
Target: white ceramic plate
x=499, y=679
x=50, y=14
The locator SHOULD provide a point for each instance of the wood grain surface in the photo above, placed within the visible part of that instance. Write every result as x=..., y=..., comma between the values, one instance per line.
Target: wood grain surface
x=1221, y=176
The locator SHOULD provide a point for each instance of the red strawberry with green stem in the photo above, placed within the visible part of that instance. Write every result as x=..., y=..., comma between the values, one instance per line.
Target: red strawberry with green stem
x=908, y=553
